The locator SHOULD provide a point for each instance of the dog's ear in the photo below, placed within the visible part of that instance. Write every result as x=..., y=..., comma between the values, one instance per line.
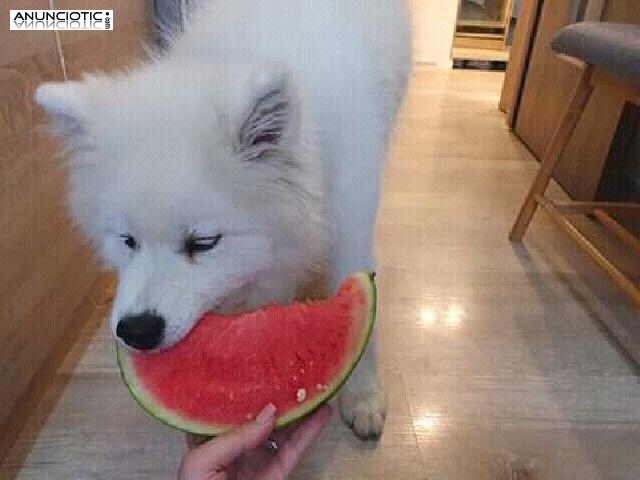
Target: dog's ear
x=66, y=104
x=270, y=121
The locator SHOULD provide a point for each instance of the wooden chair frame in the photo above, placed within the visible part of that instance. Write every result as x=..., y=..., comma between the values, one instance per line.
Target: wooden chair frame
x=560, y=211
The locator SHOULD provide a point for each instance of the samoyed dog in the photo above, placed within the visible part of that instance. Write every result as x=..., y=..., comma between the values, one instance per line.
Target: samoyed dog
x=239, y=165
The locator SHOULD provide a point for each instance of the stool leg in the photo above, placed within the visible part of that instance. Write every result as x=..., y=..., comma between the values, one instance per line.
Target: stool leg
x=553, y=153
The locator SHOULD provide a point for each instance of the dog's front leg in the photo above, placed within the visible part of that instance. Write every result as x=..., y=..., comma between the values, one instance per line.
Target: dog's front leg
x=362, y=400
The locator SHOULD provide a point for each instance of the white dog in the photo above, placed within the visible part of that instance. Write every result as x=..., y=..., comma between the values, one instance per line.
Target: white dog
x=229, y=171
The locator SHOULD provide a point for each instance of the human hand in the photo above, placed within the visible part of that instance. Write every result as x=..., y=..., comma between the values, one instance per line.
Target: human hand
x=241, y=454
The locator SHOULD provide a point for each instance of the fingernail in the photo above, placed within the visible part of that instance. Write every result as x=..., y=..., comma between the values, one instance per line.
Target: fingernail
x=266, y=414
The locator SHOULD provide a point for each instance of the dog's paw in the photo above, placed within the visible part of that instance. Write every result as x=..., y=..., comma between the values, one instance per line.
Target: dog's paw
x=364, y=409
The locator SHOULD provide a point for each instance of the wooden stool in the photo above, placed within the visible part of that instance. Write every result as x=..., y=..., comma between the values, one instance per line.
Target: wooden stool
x=605, y=53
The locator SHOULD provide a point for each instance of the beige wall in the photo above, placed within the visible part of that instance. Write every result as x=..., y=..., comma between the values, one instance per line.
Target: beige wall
x=434, y=25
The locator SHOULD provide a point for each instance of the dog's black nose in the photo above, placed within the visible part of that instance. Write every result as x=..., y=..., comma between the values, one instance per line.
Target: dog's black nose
x=143, y=331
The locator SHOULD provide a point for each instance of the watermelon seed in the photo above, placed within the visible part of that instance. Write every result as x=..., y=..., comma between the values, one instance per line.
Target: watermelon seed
x=302, y=371
x=301, y=395
x=295, y=379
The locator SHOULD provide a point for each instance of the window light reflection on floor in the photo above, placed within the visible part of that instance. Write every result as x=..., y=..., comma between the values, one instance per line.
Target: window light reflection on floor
x=451, y=318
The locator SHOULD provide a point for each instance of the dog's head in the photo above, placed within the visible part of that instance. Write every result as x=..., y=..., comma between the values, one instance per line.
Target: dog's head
x=193, y=182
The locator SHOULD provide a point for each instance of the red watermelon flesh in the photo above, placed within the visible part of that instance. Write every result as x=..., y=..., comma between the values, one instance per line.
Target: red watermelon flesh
x=229, y=367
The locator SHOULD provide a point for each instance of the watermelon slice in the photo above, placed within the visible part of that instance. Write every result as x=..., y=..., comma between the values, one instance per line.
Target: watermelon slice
x=229, y=367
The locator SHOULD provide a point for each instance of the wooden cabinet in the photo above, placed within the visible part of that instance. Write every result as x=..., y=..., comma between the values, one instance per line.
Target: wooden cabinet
x=482, y=29
x=49, y=278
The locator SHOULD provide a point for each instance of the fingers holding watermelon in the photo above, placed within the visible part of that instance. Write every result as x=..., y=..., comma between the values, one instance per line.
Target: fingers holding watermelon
x=240, y=454
x=194, y=441
x=297, y=439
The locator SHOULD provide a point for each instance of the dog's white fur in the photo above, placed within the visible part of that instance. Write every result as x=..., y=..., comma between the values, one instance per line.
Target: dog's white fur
x=268, y=122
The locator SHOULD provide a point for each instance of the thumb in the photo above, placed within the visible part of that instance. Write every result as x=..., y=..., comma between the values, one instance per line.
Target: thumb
x=222, y=451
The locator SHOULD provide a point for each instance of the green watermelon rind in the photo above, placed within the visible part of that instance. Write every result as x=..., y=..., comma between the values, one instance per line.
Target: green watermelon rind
x=141, y=396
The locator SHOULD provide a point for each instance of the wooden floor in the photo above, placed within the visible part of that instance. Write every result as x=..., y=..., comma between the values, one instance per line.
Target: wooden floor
x=488, y=351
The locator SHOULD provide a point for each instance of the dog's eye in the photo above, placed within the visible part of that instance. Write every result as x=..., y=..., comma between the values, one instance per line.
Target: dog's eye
x=129, y=241
x=193, y=245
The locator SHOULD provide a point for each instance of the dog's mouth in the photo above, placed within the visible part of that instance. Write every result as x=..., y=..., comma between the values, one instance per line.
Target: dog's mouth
x=230, y=307
x=235, y=302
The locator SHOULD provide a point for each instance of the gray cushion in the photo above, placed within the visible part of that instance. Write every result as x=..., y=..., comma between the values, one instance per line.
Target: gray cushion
x=612, y=46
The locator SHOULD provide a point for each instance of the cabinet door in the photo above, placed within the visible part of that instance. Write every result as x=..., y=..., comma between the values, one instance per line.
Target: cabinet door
x=548, y=83
x=527, y=15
